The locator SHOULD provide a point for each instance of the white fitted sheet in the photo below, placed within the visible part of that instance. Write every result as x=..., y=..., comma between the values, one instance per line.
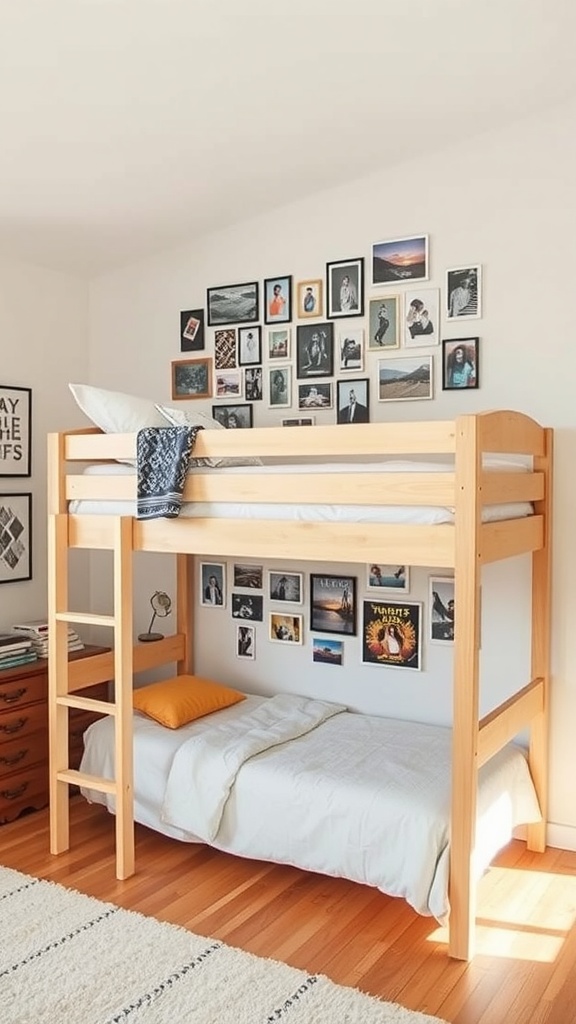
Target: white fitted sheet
x=358, y=796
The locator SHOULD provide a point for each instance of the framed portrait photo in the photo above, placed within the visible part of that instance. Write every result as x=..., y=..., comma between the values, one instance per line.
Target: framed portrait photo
x=233, y=304
x=249, y=346
x=400, y=260
x=285, y=629
x=327, y=652
x=279, y=343
x=280, y=387
x=388, y=577
x=315, y=396
x=15, y=431
x=246, y=642
x=464, y=293
x=213, y=584
x=285, y=586
x=191, y=378
x=351, y=350
x=333, y=604
x=232, y=417
x=392, y=633
x=441, y=605
x=345, y=288
x=405, y=378
x=353, y=400
x=278, y=300
x=384, y=316
x=460, y=370
x=15, y=537
x=421, y=317
x=315, y=350
x=310, y=298
x=192, y=330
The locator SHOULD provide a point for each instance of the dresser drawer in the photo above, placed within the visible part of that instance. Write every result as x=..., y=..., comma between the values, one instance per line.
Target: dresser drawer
x=23, y=751
x=23, y=721
x=22, y=790
x=19, y=692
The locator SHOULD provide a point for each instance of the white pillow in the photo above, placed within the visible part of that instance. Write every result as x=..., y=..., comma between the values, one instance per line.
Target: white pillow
x=195, y=418
x=114, y=412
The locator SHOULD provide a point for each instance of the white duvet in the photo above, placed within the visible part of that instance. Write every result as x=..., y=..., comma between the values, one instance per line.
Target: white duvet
x=304, y=782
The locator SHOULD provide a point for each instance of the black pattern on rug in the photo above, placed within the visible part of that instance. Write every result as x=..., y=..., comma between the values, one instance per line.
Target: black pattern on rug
x=162, y=460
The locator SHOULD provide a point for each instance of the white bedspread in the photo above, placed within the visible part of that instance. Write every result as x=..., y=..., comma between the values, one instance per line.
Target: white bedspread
x=357, y=796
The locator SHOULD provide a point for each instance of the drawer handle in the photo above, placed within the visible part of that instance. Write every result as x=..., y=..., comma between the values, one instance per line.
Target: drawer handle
x=14, y=726
x=15, y=757
x=13, y=794
x=13, y=695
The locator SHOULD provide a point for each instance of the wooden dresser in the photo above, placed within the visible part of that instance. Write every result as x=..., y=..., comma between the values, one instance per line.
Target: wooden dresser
x=24, y=734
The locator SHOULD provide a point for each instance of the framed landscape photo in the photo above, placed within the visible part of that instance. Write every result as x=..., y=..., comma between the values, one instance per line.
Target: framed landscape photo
x=351, y=349
x=405, y=378
x=315, y=396
x=246, y=642
x=228, y=383
x=460, y=368
x=233, y=416
x=15, y=431
x=285, y=586
x=400, y=260
x=213, y=584
x=384, y=322
x=310, y=298
x=333, y=604
x=315, y=350
x=388, y=577
x=345, y=288
x=192, y=330
x=191, y=378
x=327, y=652
x=421, y=317
x=392, y=634
x=464, y=293
x=441, y=604
x=249, y=346
x=353, y=400
x=233, y=304
x=279, y=343
x=285, y=629
x=278, y=300
x=248, y=576
x=15, y=537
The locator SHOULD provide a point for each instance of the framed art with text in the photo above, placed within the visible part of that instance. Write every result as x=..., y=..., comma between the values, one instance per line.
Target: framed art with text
x=15, y=430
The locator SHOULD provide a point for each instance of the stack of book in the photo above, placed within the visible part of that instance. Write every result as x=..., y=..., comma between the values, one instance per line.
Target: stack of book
x=16, y=649
x=36, y=631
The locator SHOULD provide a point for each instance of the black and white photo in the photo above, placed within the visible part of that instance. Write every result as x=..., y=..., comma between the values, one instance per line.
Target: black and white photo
x=421, y=318
x=441, y=606
x=280, y=387
x=253, y=384
x=353, y=400
x=315, y=396
x=345, y=288
x=464, y=293
x=285, y=586
x=315, y=350
x=247, y=606
x=213, y=584
x=233, y=304
x=351, y=350
x=384, y=316
x=246, y=642
x=249, y=346
x=233, y=417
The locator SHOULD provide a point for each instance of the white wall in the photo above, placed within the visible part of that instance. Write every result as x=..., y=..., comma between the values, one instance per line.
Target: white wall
x=43, y=345
x=505, y=201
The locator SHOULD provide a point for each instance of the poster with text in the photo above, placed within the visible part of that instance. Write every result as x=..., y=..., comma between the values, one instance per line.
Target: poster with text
x=391, y=634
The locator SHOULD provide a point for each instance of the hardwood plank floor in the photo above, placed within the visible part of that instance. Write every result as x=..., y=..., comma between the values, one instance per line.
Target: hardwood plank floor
x=524, y=971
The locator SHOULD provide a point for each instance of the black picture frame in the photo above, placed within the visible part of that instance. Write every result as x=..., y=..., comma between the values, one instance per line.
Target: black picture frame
x=233, y=304
x=15, y=431
x=333, y=604
x=465, y=370
x=249, y=346
x=278, y=299
x=345, y=288
x=315, y=350
x=392, y=634
x=192, y=330
x=359, y=388
x=15, y=537
x=239, y=415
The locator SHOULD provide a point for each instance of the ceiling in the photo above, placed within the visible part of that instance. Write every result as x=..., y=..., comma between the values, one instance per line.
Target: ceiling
x=129, y=126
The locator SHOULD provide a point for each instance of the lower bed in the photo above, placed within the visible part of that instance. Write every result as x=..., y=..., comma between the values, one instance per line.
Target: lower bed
x=305, y=782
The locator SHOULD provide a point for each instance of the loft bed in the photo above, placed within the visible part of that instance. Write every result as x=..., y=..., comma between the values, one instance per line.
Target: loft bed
x=467, y=487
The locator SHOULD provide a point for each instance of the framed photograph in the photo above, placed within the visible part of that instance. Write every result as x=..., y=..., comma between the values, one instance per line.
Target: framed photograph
x=285, y=629
x=302, y=421
x=345, y=288
x=277, y=300
x=464, y=293
x=285, y=586
x=327, y=652
x=315, y=350
x=15, y=537
x=247, y=606
x=460, y=358
x=279, y=343
x=315, y=396
x=233, y=416
x=310, y=298
x=441, y=606
x=233, y=304
x=249, y=346
x=353, y=400
x=192, y=330
x=213, y=584
x=225, y=350
x=391, y=634
x=15, y=431
x=228, y=384
x=333, y=604
x=279, y=387
x=248, y=576
x=400, y=260
x=421, y=318
x=246, y=642
x=253, y=384
x=351, y=350
x=388, y=577
x=384, y=322
x=191, y=378
x=405, y=378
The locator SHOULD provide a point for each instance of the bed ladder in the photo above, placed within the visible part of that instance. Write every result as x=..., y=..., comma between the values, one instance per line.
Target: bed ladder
x=61, y=698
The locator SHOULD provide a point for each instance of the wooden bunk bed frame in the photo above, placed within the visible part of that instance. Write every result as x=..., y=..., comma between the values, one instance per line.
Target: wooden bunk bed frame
x=465, y=547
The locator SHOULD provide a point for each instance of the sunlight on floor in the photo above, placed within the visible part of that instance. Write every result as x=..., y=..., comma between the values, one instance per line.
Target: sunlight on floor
x=522, y=914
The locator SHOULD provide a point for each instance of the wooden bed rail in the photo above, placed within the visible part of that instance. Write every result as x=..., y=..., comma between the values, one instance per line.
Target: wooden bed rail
x=505, y=722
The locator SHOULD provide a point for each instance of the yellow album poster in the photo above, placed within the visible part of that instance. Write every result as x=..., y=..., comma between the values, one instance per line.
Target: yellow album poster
x=391, y=634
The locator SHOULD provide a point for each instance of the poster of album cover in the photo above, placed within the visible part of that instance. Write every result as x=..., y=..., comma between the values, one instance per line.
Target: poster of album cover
x=391, y=634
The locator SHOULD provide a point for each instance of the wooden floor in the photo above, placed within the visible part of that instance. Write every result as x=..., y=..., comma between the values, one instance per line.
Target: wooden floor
x=524, y=971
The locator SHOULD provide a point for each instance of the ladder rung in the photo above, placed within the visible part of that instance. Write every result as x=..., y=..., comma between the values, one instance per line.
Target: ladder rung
x=76, y=778
x=103, y=707
x=86, y=618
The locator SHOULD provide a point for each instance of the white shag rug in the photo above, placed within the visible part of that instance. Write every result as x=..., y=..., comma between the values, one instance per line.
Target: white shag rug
x=66, y=958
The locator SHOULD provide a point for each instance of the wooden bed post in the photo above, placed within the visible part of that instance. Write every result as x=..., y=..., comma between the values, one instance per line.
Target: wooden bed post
x=185, y=610
x=466, y=690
